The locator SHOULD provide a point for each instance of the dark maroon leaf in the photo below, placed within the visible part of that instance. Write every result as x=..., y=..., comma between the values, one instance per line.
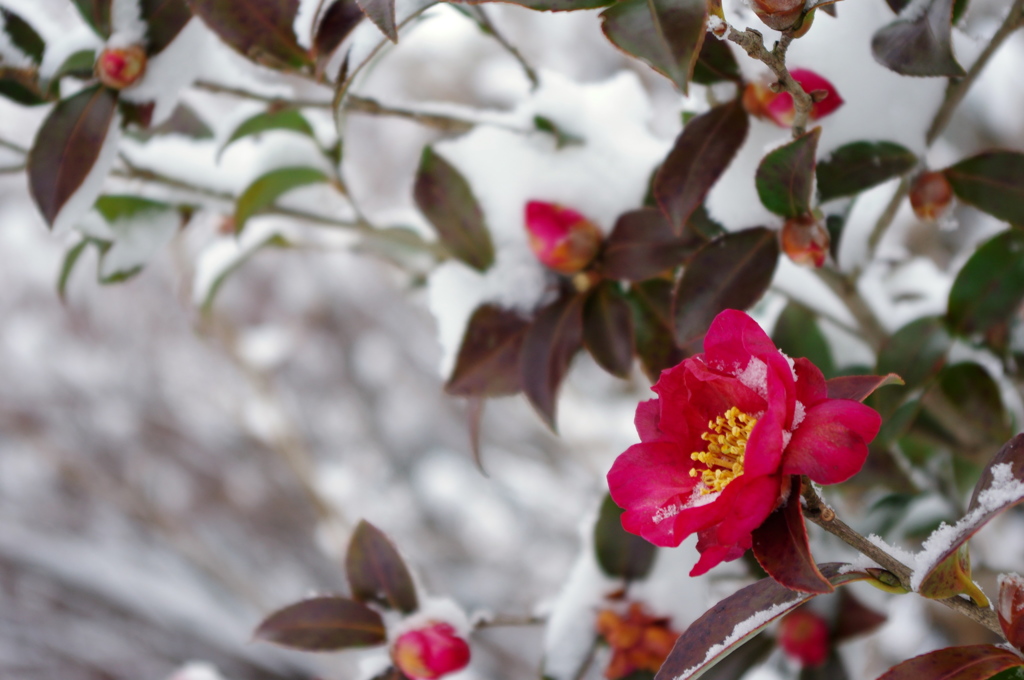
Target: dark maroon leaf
x=620, y=553
x=183, y=121
x=550, y=343
x=323, y=624
x=701, y=154
x=22, y=35
x=1009, y=608
x=666, y=34
x=854, y=167
x=715, y=63
x=382, y=14
x=992, y=182
x=488, y=360
x=921, y=46
x=990, y=287
x=642, y=245
x=555, y=5
x=260, y=29
x=734, y=620
x=853, y=619
x=832, y=669
x=974, y=662
x=1011, y=454
x=651, y=303
x=731, y=272
x=164, y=20
x=97, y=14
x=137, y=114
x=608, y=328
x=743, y=658
x=786, y=175
x=475, y=417
x=67, y=146
x=338, y=21
x=445, y=198
x=376, y=572
x=782, y=550
x=859, y=387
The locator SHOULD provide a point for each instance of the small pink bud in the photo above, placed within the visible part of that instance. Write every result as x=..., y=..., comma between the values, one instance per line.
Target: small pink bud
x=760, y=101
x=803, y=635
x=805, y=240
x=430, y=652
x=561, y=238
x=1010, y=608
x=121, y=67
x=930, y=195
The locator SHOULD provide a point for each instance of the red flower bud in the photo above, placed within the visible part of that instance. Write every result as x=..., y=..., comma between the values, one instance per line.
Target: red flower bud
x=930, y=195
x=430, y=652
x=1010, y=608
x=805, y=240
x=561, y=238
x=777, y=107
x=121, y=67
x=803, y=635
x=779, y=14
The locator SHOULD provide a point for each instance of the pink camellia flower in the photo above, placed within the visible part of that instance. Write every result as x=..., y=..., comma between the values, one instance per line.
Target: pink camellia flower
x=121, y=67
x=719, y=442
x=777, y=107
x=431, y=651
x=561, y=238
x=803, y=635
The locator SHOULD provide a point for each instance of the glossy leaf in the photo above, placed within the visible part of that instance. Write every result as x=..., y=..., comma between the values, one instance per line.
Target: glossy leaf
x=974, y=662
x=921, y=46
x=67, y=146
x=731, y=272
x=338, y=22
x=77, y=65
x=164, y=20
x=549, y=345
x=665, y=34
x=854, y=167
x=22, y=35
x=743, y=658
x=382, y=14
x=715, y=63
x=702, y=152
x=734, y=620
x=797, y=334
x=261, y=30
x=990, y=287
x=786, y=175
x=286, y=119
x=619, y=553
x=446, y=199
x=651, y=304
x=267, y=188
x=323, y=624
x=642, y=245
x=1012, y=454
x=992, y=182
x=376, y=572
x=608, y=329
x=488, y=361
x=97, y=14
x=782, y=550
x=859, y=387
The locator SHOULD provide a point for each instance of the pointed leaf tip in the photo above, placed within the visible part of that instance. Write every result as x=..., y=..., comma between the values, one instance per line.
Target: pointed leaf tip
x=376, y=571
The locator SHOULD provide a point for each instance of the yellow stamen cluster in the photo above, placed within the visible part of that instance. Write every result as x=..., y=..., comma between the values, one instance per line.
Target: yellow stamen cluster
x=727, y=437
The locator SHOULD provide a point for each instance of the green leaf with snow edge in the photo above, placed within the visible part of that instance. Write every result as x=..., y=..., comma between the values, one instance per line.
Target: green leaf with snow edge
x=288, y=119
x=736, y=619
x=267, y=188
x=225, y=256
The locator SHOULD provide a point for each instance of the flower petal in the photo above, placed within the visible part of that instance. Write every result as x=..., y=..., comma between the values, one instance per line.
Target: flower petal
x=750, y=503
x=646, y=420
x=810, y=383
x=831, y=444
x=732, y=339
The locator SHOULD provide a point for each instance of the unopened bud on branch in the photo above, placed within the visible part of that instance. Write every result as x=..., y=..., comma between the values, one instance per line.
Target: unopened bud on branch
x=561, y=238
x=430, y=652
x=121, y=67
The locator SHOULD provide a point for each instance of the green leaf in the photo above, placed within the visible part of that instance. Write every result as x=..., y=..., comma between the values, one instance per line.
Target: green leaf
x=267, y=188
x=619, y=553
x=446, y=199
x=322, y=624
x=967, y=400
x=797, y=334
x=921, y=46
x=854, y=167
x=665, y=34
x=992, y=182
x=990, y=287
x=78, y=65
x=974, y=662
x=22, y=35
x=488, y=361
x=651, y=304
x=731, y=272
x=551, y=342
x=376, y=572
x=286, y=119
x=97, y=14
x=918, y=352
x=164, y=20
x=786, y=175
x=68, y=265
x=261, y=30
x=608, y=329
x=22, y=86
x=67, y=146
x=702, y=152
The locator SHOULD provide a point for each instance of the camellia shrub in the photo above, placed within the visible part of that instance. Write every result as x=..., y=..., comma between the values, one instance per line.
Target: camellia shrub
x=800, y=222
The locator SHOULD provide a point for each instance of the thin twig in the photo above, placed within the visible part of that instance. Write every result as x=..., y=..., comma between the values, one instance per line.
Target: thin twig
x=13, y=169
x=480, y=16
x=843, y=287
x=817, y=512
x=752, y=43
x=255, y=96
x=505, y=620
x=13, y=147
